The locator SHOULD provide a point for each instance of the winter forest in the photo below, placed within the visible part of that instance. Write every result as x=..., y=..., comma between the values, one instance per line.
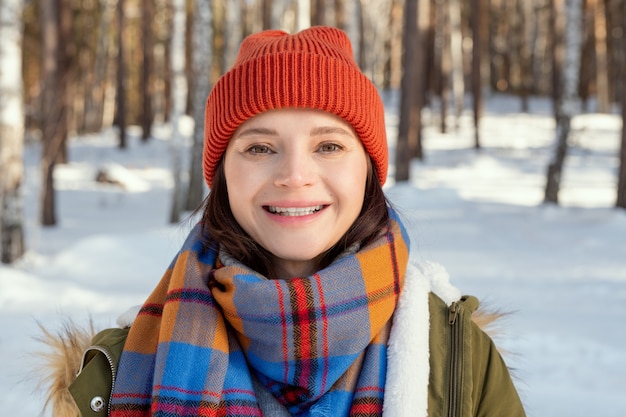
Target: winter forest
x=507, y=151
x=88, y=65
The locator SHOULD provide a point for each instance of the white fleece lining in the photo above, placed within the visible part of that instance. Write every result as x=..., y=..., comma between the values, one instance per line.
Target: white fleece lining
x=440, y=282
x=406, y=388
x=408, y=365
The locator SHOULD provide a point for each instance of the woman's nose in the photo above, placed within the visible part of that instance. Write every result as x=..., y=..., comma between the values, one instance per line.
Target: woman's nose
x=296, y=169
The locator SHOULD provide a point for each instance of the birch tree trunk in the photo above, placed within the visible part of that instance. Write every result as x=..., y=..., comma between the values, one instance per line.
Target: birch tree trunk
x=179, y=98
x=202, y=53
x=11, y=132
x=567, y=103
x=303, y=20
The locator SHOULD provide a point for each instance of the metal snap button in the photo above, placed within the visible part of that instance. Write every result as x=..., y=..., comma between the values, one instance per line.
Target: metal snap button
x=97, y=404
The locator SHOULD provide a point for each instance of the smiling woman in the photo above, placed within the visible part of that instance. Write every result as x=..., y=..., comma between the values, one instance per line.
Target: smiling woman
x=295, y=293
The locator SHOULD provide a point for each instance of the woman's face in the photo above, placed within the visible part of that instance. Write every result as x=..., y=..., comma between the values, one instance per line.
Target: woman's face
x=296, y=183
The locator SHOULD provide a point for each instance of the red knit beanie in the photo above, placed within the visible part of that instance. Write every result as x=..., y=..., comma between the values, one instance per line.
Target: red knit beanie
x=313, y=69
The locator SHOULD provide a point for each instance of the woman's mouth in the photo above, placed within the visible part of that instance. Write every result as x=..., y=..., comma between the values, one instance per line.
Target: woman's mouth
x=294, y=211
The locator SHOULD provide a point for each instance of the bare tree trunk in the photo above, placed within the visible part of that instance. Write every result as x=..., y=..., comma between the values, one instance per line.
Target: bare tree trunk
x=360, y=49
x=431, y=70
x=442, y=58
x=587, y=54
x=179, y=98
x=162, y=103
x=391, y=42
x=94, y=103
x=84, y=59
x=203, y=50
x=456, y=56
x=12, y=133
x=525, y=8
x=477, y=15
x=553, y=176
x=425, y=30
x=52, y=111
x=340, y=15
x=412, y=94
x=147, y=114
x=266, y=6
x=567, y=107
x=219, y=35
x=234, y=22
x=318, y=12
x=120, y=96
x=557, y=27
x=615, y=59
x=602, y=68
x=621, y=181
x=189, y=7
x=65, y=74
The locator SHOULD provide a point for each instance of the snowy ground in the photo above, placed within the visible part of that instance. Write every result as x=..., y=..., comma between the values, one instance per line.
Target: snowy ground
x=560, y=271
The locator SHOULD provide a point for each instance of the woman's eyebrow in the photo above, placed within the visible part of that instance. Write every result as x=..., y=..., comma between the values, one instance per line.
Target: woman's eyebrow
x=262, y=131
x=330, y=130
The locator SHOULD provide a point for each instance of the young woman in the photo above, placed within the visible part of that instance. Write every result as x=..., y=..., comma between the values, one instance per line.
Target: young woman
x=295, y=294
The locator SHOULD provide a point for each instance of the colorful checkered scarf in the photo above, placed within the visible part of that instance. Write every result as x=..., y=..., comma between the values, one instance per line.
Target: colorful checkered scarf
x=316, y=343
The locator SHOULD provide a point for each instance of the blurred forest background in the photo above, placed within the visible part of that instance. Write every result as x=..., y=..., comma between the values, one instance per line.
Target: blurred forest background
x=75, y=67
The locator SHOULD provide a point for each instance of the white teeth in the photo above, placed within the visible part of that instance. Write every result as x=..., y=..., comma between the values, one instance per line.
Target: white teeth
x=294, y=211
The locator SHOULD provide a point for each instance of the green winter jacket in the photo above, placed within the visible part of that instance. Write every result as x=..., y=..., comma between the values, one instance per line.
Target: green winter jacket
x=468, y=377
x=467, y=374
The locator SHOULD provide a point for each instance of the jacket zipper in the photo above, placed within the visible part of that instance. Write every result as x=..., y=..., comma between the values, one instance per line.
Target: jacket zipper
x=455, y=369
x=109, y=359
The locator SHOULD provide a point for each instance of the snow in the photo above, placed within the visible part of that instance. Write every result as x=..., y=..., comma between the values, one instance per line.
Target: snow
x=560, y=272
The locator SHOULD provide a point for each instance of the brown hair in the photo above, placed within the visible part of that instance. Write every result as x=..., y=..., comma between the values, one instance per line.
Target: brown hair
x=219, y=225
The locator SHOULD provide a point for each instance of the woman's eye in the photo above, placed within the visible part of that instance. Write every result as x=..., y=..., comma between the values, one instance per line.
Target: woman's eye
x=329, y=147
x=259, y=149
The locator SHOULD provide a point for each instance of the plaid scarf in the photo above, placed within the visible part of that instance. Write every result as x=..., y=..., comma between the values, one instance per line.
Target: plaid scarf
x=318, y=344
